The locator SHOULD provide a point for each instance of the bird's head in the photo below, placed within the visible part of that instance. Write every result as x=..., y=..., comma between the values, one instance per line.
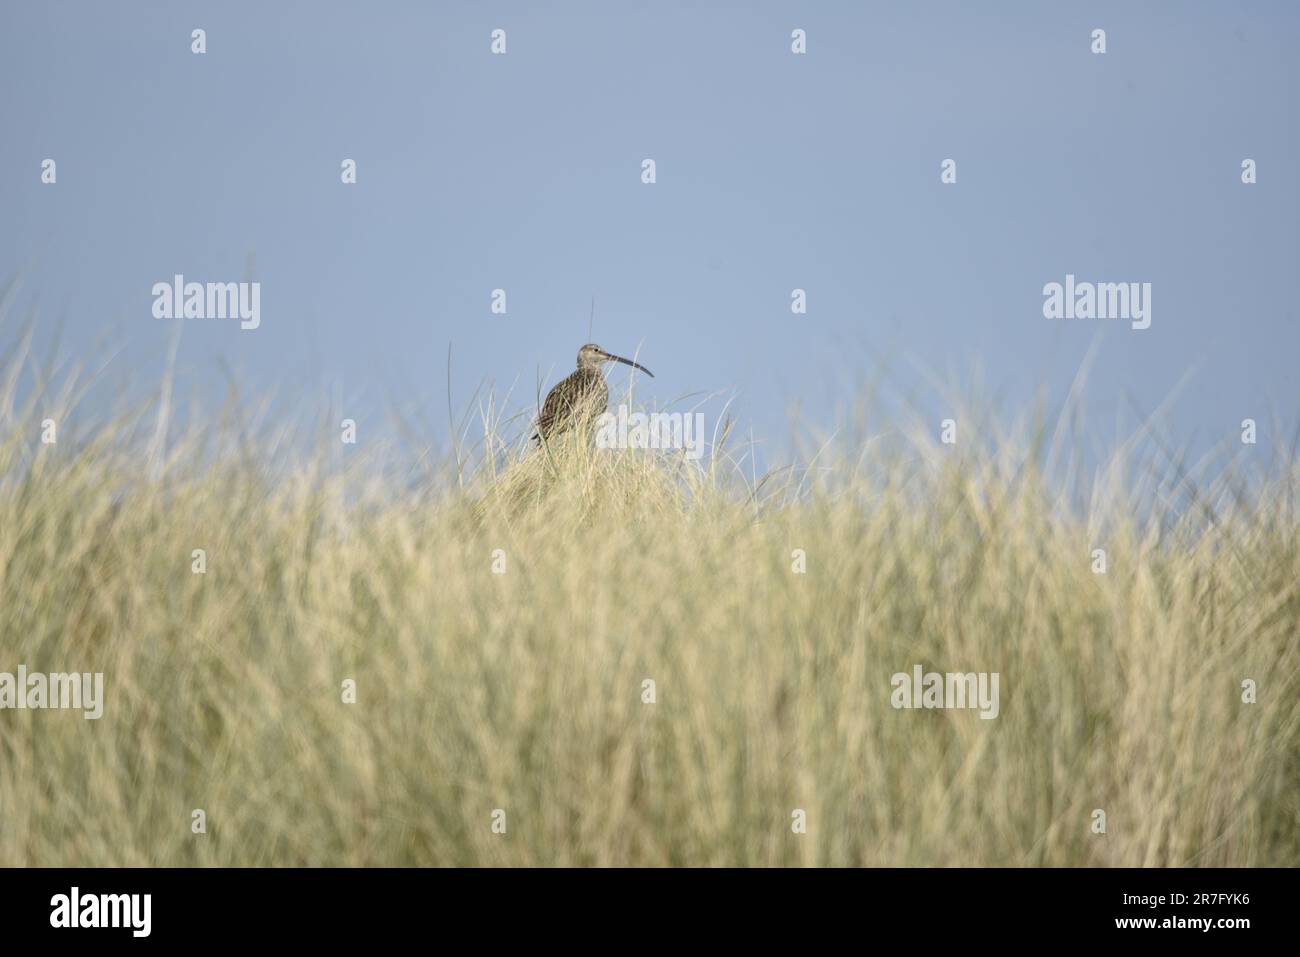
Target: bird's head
x=591, y=356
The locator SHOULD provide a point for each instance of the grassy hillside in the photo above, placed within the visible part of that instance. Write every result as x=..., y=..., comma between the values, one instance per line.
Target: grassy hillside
x=525, y=690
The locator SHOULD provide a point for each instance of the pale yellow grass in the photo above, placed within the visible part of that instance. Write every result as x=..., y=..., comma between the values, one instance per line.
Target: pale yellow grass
x=523, y=691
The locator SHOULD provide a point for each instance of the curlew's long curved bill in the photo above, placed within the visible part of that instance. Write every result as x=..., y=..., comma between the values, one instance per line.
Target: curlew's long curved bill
x=629, y=362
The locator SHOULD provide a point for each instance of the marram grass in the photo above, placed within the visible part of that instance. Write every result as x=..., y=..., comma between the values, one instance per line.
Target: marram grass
x=524, y=690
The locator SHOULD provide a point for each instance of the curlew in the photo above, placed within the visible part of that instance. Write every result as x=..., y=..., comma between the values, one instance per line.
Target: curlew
x=583, y=395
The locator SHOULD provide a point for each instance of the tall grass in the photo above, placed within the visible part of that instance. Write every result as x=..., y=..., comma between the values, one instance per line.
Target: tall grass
x=524, y=691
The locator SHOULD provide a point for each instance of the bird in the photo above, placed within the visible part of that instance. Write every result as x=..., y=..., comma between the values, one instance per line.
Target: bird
x=581, y=395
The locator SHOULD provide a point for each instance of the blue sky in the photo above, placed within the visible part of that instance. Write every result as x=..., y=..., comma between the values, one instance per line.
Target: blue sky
x=775, y=172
